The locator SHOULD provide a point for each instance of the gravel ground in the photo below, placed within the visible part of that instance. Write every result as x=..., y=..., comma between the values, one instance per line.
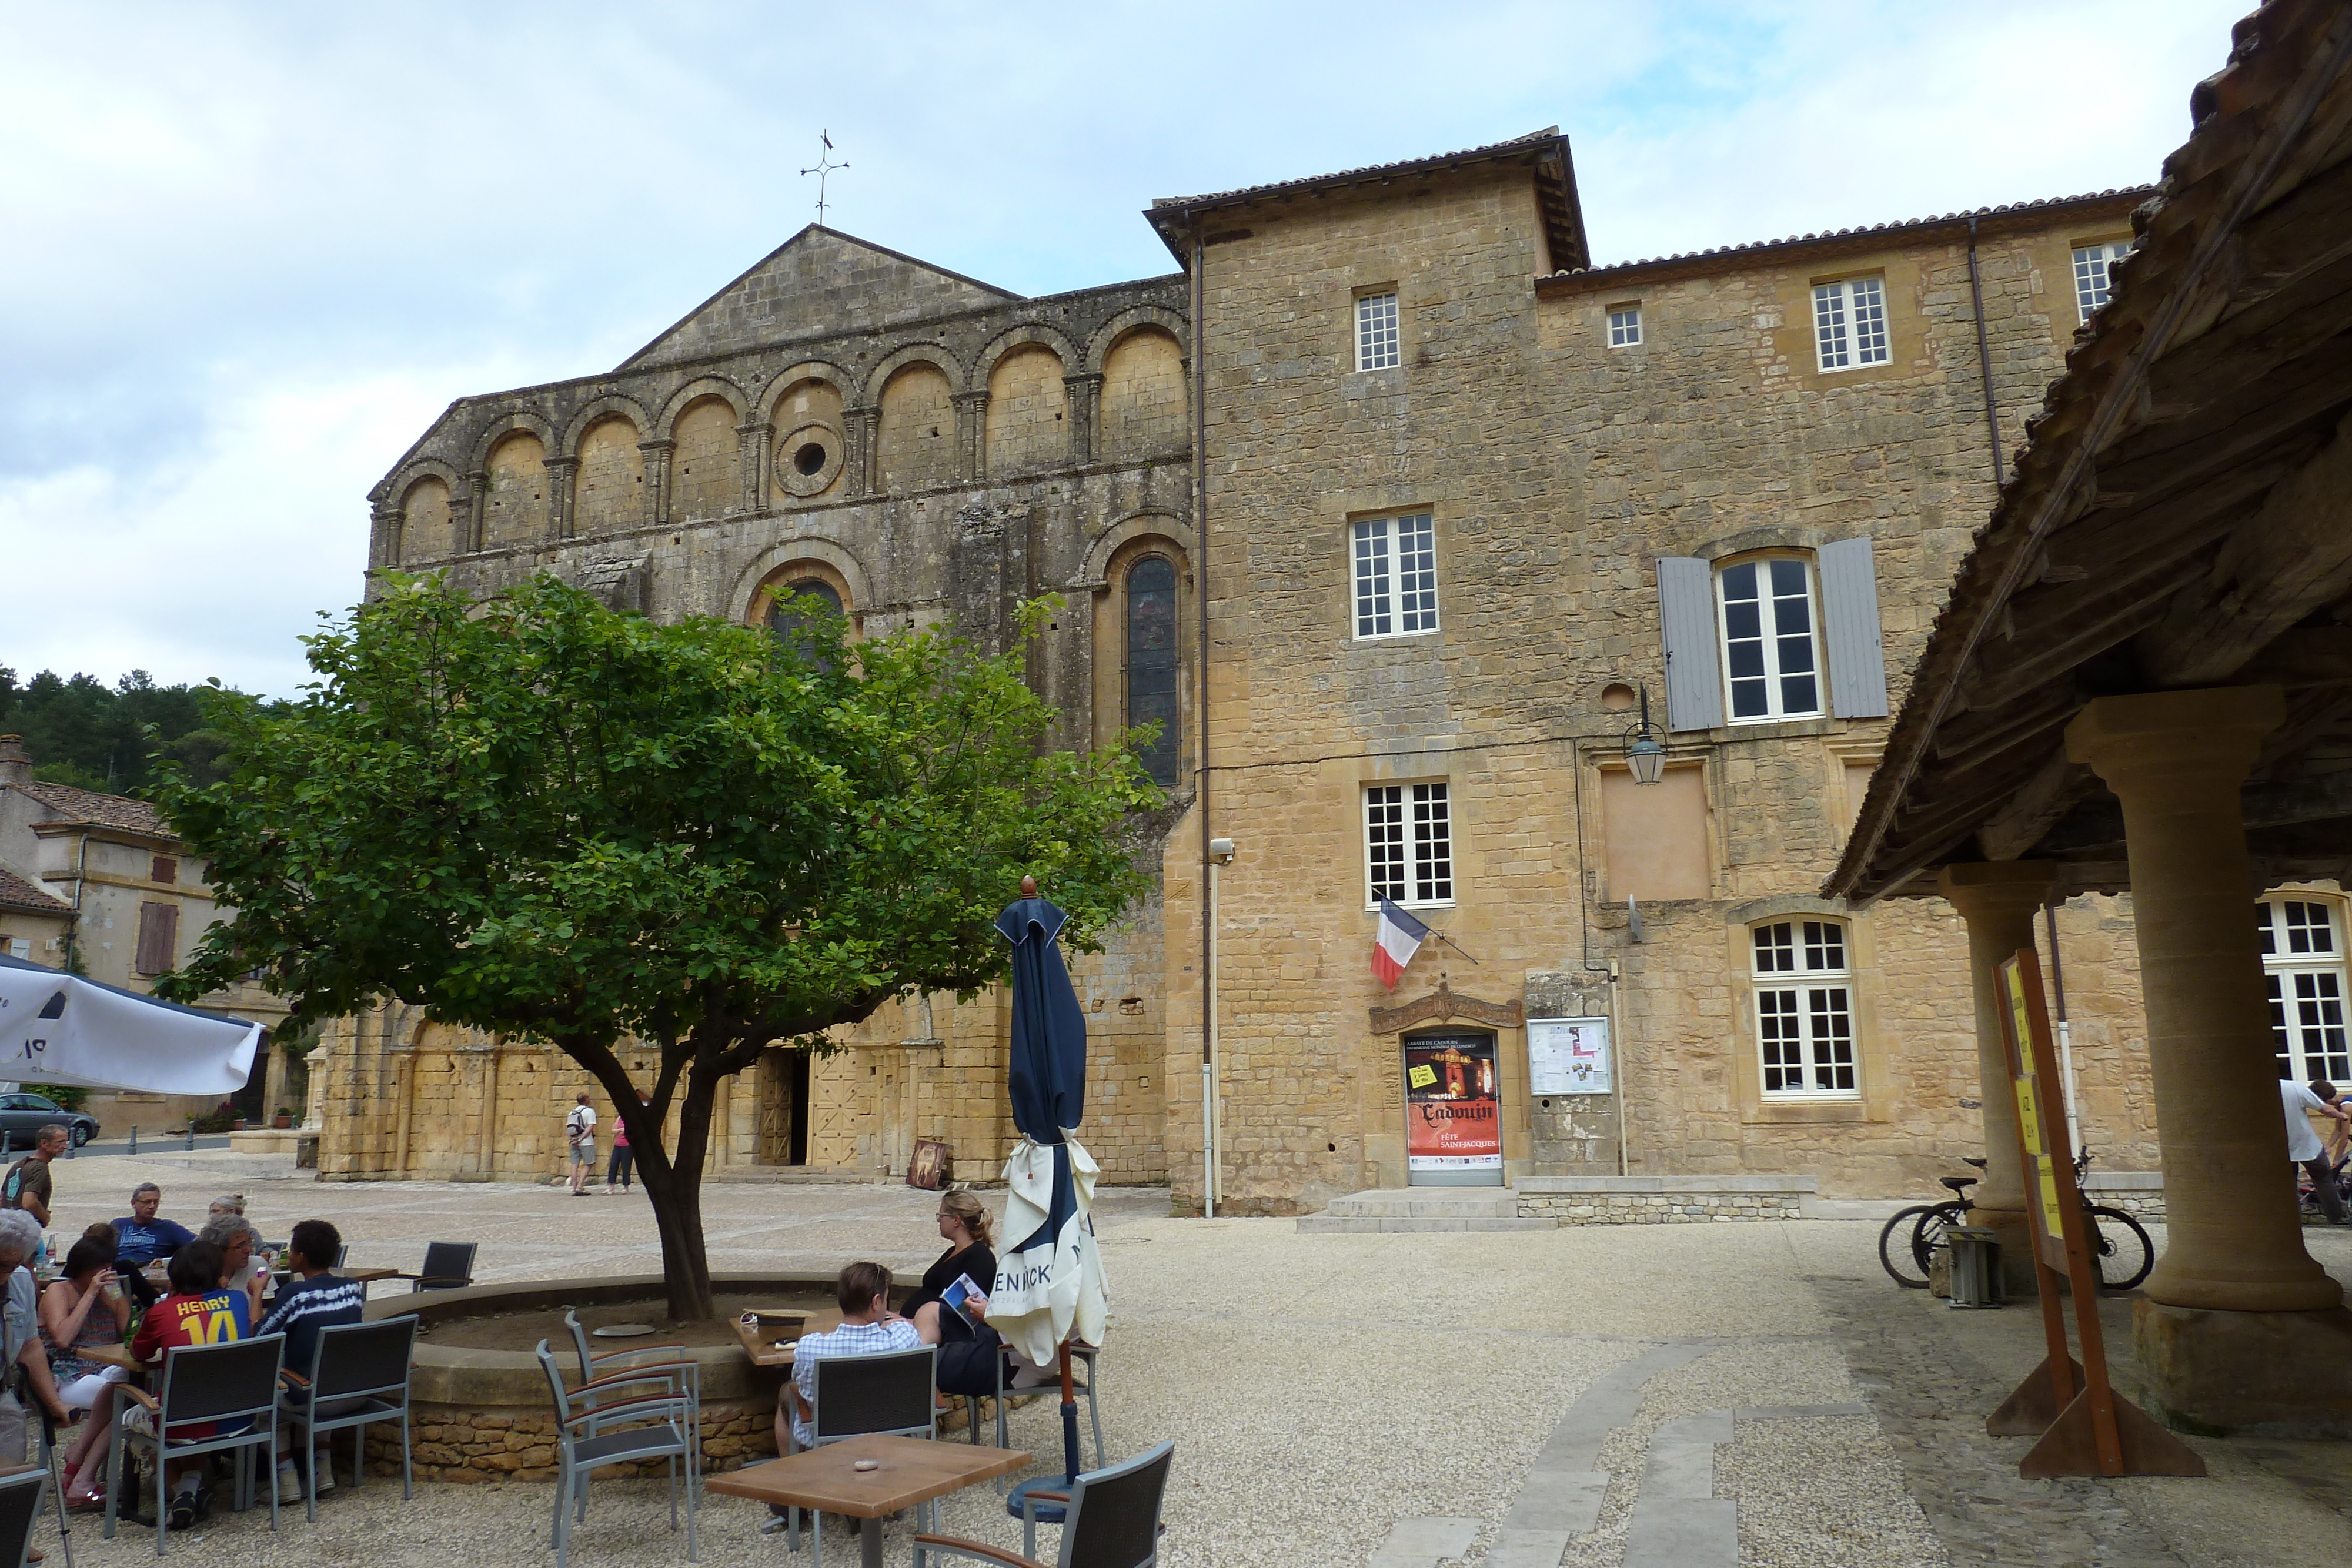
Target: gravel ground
x=1318, y=1388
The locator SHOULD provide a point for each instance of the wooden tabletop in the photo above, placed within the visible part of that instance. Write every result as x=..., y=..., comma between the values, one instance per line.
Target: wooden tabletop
x=912, y=1470
x=108, y=1354
x=759, y=1343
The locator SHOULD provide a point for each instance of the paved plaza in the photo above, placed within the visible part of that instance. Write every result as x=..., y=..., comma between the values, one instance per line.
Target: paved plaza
x=1687, y=1396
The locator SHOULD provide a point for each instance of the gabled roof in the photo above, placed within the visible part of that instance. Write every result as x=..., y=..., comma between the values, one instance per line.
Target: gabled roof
x=1545, y=151
x=15, y=892
x=97, y=810
x=818, y=282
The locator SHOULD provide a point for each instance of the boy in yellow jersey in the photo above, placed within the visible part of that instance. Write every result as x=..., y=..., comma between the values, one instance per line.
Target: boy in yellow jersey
x=199, y=1311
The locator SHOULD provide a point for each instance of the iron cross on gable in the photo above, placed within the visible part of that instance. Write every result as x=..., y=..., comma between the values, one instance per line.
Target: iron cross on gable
x=824, y=166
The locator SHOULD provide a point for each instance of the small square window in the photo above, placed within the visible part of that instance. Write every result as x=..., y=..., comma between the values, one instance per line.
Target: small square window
x=2092, y=282
x=1624, y=326
x=1376, y=332
x=1850, y=323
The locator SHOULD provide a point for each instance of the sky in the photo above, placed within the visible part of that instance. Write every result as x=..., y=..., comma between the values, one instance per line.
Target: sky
x=247, y=254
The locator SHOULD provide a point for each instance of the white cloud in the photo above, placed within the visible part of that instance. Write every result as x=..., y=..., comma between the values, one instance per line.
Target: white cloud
x=265, y=257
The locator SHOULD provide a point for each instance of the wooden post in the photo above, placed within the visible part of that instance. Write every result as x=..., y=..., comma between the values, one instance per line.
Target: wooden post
x=2087, y=1430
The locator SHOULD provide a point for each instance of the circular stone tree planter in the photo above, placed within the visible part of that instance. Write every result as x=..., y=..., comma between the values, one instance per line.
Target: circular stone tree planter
x=483, y=1415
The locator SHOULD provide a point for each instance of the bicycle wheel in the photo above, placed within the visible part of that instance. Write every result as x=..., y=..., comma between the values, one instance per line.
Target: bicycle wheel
x=1927, y=1231
x=1898, y=1253
x=2119, y=1247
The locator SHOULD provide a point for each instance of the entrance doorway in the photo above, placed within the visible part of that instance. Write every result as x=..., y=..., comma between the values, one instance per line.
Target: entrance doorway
x=1452, y=1108
x=783, y=1108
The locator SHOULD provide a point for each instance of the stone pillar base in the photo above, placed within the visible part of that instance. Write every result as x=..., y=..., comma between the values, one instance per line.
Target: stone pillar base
x=2221, y=1373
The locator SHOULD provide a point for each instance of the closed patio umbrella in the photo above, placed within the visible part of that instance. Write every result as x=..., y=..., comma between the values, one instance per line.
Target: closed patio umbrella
x=57, y=1028
x=1049, y=1283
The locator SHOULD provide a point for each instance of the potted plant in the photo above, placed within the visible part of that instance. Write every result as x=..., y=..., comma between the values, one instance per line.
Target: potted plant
x=282, y=1120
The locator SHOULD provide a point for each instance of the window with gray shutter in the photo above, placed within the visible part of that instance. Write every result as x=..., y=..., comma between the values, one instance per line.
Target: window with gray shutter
x=1686, y=623
x=159, y=936
x=1850, y=617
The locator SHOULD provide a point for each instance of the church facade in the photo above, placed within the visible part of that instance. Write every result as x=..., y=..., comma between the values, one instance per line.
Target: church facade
x=1416, y=533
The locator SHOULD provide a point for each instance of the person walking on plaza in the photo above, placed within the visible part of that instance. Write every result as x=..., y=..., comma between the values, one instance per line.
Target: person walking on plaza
x=580, y=1131
x=2303, y=1145
x=624, y=1157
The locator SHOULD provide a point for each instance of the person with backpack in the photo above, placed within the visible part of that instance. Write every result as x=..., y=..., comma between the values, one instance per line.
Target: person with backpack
x=27, y=1184
x=580, y=1131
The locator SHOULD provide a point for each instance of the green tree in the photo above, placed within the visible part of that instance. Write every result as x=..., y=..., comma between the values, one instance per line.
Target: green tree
x=548, y=820
x=83, y=733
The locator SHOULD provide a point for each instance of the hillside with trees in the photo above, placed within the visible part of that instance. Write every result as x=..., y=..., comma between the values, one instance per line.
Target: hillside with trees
x=82, y=732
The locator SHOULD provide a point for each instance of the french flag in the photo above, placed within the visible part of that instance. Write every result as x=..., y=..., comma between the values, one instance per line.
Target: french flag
x=1400, y=938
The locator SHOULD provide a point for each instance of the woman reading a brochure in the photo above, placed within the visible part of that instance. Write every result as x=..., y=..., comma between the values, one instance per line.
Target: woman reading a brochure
x=946, y=1311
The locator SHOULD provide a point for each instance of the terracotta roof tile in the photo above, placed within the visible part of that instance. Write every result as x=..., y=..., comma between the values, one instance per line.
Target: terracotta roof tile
x=103, y=810
x=15, y=892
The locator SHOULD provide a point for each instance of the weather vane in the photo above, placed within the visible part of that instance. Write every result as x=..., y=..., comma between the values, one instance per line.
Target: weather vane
x=822, y=166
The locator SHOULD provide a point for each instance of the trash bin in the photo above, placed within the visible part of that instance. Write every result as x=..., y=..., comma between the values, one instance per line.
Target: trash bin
x=1976, y=1267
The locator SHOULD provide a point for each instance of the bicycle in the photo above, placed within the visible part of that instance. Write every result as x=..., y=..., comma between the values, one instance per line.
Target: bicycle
x=2120, y=1249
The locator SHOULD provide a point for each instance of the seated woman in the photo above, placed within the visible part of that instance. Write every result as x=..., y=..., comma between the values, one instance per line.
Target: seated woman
x=968, y=1347
x=85, y=1307
x=246, y=1273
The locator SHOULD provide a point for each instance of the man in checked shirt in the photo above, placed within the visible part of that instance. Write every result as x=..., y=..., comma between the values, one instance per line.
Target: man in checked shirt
x=869, y=1327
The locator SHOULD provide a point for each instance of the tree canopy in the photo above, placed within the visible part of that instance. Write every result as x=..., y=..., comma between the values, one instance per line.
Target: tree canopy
x=547, y=819
x=82, y=732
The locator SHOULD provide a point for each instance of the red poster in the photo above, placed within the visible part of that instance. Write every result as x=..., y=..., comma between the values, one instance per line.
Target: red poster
x=1452, y=1114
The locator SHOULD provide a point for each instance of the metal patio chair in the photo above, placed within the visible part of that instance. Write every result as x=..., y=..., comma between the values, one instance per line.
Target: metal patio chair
x=889, y=1396
x=449, y=1266
x=1112, y=1520
x=232, y=1385
x=358, y=1375
x=23, y=1489
x=664, y=1431
x=607, y=1372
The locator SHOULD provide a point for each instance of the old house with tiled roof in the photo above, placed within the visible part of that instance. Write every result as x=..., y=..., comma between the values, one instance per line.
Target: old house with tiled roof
x=1398, y=516
x=100, y=881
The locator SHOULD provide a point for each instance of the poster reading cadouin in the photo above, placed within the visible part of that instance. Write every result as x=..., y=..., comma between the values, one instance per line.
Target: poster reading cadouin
x=1453, y=1119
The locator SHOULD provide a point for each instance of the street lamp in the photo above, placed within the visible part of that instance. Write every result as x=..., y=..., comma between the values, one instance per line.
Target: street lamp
x=1646, y=754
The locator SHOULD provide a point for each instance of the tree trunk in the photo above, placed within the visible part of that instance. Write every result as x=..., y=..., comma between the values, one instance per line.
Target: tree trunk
x=673, y=1177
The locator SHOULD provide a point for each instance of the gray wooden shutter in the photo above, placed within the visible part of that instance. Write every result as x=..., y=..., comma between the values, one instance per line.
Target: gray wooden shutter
x=1850, y=618
x=1686, y=623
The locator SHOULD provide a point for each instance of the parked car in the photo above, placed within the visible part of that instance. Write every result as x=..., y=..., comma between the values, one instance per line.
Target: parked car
x=22, y=1116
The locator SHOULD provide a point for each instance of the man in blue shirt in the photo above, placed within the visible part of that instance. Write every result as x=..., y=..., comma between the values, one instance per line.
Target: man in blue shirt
x=318, y=1299
x=141, y=1238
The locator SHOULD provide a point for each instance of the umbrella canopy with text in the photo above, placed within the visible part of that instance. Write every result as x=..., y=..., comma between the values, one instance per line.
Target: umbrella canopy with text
x=57, y=1028
x=1049, y=1283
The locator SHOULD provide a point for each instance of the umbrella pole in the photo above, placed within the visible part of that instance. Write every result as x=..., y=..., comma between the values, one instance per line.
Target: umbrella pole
x=1069, y=1419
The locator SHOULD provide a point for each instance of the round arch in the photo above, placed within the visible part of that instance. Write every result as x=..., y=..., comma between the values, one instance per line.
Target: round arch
x=928, y=352
x=824, y=370
x=854, y=585
x=1028, y=334
x=665, y=426
x=596, y=412
x=518, y=421
x=1094, y=568
x=1106, y=336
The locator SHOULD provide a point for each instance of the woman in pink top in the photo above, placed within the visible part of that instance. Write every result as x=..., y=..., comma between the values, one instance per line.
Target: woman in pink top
x=625, y=1159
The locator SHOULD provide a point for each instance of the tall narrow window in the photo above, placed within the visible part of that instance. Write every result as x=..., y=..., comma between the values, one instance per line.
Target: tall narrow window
x=1850, y=323
x=1396, y=576
x=1624, y=326
x=797, y=604
x=1804, y=1009
x=2092, y=283
x=2303, y=965
x=1151, y=662
x=1408, y=843
x=1771, y=655
x=1376, y=332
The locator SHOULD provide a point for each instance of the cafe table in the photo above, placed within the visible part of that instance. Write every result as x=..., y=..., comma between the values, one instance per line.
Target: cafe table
x=763, y=1344
x=908, y=1470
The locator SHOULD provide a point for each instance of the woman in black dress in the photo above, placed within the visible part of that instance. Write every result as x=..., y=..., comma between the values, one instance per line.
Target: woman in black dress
x=968, y=1347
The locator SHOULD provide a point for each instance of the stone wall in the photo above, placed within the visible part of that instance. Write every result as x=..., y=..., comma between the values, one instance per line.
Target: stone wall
x=1662, y=1200
x=453, y=1444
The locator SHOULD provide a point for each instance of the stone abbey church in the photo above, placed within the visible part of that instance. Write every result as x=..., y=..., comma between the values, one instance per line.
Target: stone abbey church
x=1398, y=515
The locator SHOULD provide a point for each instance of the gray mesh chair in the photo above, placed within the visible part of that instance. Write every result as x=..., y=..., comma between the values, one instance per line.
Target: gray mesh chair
x=889, y=1396
x=608, y=1374
x=1087, y=1355
x=661, y=1427
x=358, y=1375
x=1112, y=1520
x=449, y=1266
x=232, y=1386
x=22, y=1492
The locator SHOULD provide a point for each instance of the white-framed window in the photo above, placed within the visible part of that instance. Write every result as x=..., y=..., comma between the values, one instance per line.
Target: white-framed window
x=1804, y=1009
x=1396, y=576
x=20, y=947
x=2091, y=264
x=1624, y=326
x=1376, y=332
x=1850, y=323
x=1771, y=638
x=1408, y=843
x=2303, y=966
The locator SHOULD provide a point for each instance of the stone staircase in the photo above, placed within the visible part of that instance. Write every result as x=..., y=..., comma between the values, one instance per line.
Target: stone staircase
x=1421, y=1208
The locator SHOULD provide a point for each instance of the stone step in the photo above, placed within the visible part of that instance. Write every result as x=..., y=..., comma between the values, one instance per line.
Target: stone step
x=1362, y=1225
x=1427, y=1203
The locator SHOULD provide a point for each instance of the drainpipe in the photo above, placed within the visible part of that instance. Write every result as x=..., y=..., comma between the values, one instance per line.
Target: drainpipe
x=2066, y=1035
x=1984, y=355
x=1201, y=730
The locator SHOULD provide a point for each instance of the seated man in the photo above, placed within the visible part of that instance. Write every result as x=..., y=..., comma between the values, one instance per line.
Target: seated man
x=20, y=1342
x=140, y=1239
x=869, y=1327
x=316, y=1300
